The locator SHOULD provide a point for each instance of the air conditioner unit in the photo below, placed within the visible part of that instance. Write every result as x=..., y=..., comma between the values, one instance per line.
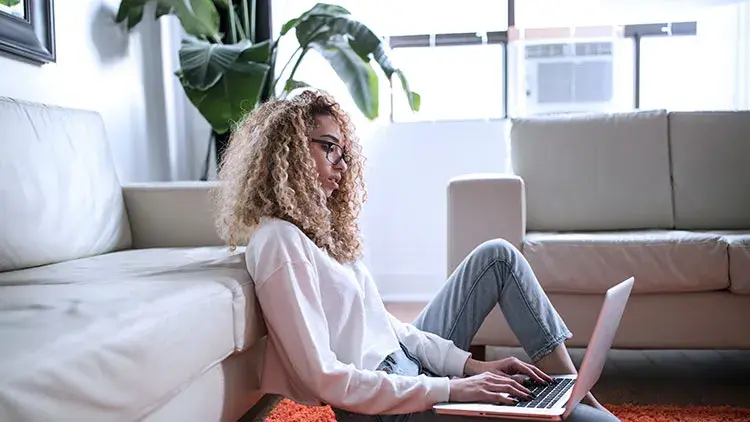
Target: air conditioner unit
x=563, y=77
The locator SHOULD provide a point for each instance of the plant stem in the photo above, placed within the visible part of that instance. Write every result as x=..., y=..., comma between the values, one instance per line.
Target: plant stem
x=232, y=26
x=304, y=47
x=246, y=20
x=273, y=87
x=241, y=30
x=299, y=60
x=253, y=13
x=294, y=69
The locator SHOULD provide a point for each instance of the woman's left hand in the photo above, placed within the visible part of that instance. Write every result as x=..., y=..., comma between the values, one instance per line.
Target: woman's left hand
x=507, y=366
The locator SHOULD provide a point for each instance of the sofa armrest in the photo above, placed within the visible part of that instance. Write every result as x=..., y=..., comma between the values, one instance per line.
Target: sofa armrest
x=483, y=207
x=171, y=214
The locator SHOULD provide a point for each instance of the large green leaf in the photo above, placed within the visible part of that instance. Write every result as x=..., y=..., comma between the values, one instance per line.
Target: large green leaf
x=223, y=81
x=162, y=10
x=292, y=84
x=415, y=100
x=289, y=25
x=259, y=52
x=202, y=63
x=197, y=17
x=320, y=9
x=360, y=78
x=234, y=94
x=362, y=39
x=130, y=11
x=324, y=22
x=9, y=3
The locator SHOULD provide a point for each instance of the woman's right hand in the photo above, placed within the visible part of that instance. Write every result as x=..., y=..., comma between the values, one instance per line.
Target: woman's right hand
x=487, y=388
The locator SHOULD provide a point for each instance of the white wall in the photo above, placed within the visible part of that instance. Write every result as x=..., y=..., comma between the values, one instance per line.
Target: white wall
x=404, y=220
x=99, y=67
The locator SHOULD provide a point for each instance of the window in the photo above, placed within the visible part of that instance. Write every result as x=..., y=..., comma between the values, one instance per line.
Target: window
x=558, y=55
x=666, y=55
x=583, y=13
x=416, y=17
x=698, y=71
x=456, y=59
x=568, y=75
x=461, y=82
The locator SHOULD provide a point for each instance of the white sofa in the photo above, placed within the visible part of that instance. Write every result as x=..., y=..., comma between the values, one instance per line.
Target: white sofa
x=593, y=199
x=117, y=303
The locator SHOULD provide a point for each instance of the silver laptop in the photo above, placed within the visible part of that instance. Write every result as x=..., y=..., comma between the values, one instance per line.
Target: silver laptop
x=554, y=402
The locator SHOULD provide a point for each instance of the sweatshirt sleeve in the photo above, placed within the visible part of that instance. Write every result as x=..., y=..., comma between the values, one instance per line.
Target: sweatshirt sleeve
x=439, y=355
x=290, y=300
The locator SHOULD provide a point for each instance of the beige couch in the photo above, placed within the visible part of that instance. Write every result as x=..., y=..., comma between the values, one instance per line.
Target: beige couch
x=117, y=303
x=594, y=199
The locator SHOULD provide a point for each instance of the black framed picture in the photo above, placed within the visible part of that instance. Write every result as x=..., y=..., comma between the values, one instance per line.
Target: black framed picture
x=27, y=30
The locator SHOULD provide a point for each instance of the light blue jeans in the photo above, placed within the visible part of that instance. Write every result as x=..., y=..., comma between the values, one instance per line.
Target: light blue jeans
x=493, y=273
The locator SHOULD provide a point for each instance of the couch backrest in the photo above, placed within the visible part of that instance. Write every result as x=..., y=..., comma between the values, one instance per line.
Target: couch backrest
x=594, y=171
x=60, y=197
x=711, y=169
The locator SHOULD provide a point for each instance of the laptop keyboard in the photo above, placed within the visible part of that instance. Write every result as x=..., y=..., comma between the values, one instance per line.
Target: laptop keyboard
x=546, y=395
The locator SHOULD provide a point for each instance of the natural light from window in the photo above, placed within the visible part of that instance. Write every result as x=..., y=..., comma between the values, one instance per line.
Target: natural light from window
x=582, y=70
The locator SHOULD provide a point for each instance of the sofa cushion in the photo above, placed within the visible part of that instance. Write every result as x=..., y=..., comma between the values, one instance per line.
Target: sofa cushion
x=119, y=333
x=60, y=196
x=660, y=261
x=710, y=152
x=739, y=261
x=594, y=172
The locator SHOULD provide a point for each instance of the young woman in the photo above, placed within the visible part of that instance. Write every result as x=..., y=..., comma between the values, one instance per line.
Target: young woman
x=291, y=190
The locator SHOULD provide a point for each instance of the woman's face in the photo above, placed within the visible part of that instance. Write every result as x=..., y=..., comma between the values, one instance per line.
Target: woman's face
x=328, y=152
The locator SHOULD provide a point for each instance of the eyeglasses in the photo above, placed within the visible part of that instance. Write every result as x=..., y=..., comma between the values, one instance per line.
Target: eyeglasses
x=334, y=152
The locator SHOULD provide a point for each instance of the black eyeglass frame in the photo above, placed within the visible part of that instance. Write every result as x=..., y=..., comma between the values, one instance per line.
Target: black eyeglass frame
x=344, y=156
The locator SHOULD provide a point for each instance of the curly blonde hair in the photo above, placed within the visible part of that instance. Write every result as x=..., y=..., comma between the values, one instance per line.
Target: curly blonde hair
x=267, y=171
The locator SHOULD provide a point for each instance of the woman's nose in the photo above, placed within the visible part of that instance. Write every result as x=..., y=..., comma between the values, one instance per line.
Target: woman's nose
x=341, y=166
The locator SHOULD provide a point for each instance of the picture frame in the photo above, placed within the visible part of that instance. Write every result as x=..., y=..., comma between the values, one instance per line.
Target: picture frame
x=27, y=31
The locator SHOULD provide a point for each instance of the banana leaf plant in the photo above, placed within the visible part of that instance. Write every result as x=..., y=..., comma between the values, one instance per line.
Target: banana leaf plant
x=226, y=74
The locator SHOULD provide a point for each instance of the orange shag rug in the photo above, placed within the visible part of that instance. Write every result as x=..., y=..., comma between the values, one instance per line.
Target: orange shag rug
x=288, y=411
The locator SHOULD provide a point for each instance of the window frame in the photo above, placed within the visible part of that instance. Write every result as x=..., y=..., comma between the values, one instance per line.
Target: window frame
x=634, y=31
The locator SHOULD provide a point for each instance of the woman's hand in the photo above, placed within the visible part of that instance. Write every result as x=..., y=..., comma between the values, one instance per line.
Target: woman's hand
x=488, y=387
x=508, y=366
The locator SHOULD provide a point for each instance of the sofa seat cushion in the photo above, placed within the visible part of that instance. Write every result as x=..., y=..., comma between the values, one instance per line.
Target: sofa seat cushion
x=118, y=333
x=739, y=260
x=660, y=261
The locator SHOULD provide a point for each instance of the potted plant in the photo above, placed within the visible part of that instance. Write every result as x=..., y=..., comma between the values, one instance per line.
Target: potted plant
x=227, y=71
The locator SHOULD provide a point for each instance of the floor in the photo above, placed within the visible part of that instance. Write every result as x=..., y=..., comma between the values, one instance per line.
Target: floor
x=664, y=377
x=668, y=377
x=660, y=377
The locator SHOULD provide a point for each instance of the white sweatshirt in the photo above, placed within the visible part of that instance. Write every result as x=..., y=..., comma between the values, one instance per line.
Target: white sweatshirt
x=328, y=330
